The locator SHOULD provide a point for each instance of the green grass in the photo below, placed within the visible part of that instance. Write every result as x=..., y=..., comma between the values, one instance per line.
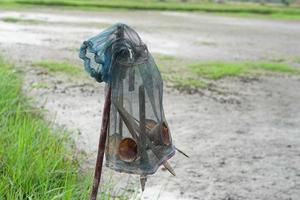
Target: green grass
x=174, y=74
x=184, y=83
x=19, y=20
x=34, y=161
x=11, y=19
x=217, y=70
x=275, y=11
x=36, y=85
x=188, y=75
x=165, y=57
x=275, y=67
x=55, y=66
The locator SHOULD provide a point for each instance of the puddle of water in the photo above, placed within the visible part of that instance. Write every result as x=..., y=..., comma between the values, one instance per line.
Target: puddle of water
x=11, y=34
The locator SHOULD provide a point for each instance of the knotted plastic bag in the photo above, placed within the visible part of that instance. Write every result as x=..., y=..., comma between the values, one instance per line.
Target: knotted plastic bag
x=139, y=138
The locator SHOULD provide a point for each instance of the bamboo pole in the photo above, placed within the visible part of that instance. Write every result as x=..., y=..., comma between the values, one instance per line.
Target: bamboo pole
x=101, y=146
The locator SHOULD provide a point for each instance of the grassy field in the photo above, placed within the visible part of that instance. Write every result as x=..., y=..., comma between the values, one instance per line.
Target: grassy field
x=217, y=70
x=241, y=9
x=190, y=75
x=35, y=162
x=54, y=66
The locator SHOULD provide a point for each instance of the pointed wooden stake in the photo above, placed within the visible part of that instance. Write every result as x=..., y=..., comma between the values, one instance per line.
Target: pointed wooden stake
x=143, y=180
x=180, y=151
x=169, y=168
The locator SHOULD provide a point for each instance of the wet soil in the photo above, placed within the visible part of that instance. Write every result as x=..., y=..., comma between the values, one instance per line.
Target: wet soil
x=243, y=139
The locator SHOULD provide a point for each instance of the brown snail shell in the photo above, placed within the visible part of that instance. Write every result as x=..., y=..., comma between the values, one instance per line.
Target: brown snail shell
x=165, y=134
x=156, y=134
x=150, y=123
x=127, y=150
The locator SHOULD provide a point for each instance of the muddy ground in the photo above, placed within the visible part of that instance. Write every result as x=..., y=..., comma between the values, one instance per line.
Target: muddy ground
x=243, y=142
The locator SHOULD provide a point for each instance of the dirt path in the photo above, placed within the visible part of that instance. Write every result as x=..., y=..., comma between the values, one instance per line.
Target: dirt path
x=243, y=144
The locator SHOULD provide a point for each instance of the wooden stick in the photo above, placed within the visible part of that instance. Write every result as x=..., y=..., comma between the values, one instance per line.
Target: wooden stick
x=142, y=136
x=143, y=180
x=142, y=133
x=101, y=146
x=121, y=103
x=131, y=77
x=127, y=120
x=180, y=151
